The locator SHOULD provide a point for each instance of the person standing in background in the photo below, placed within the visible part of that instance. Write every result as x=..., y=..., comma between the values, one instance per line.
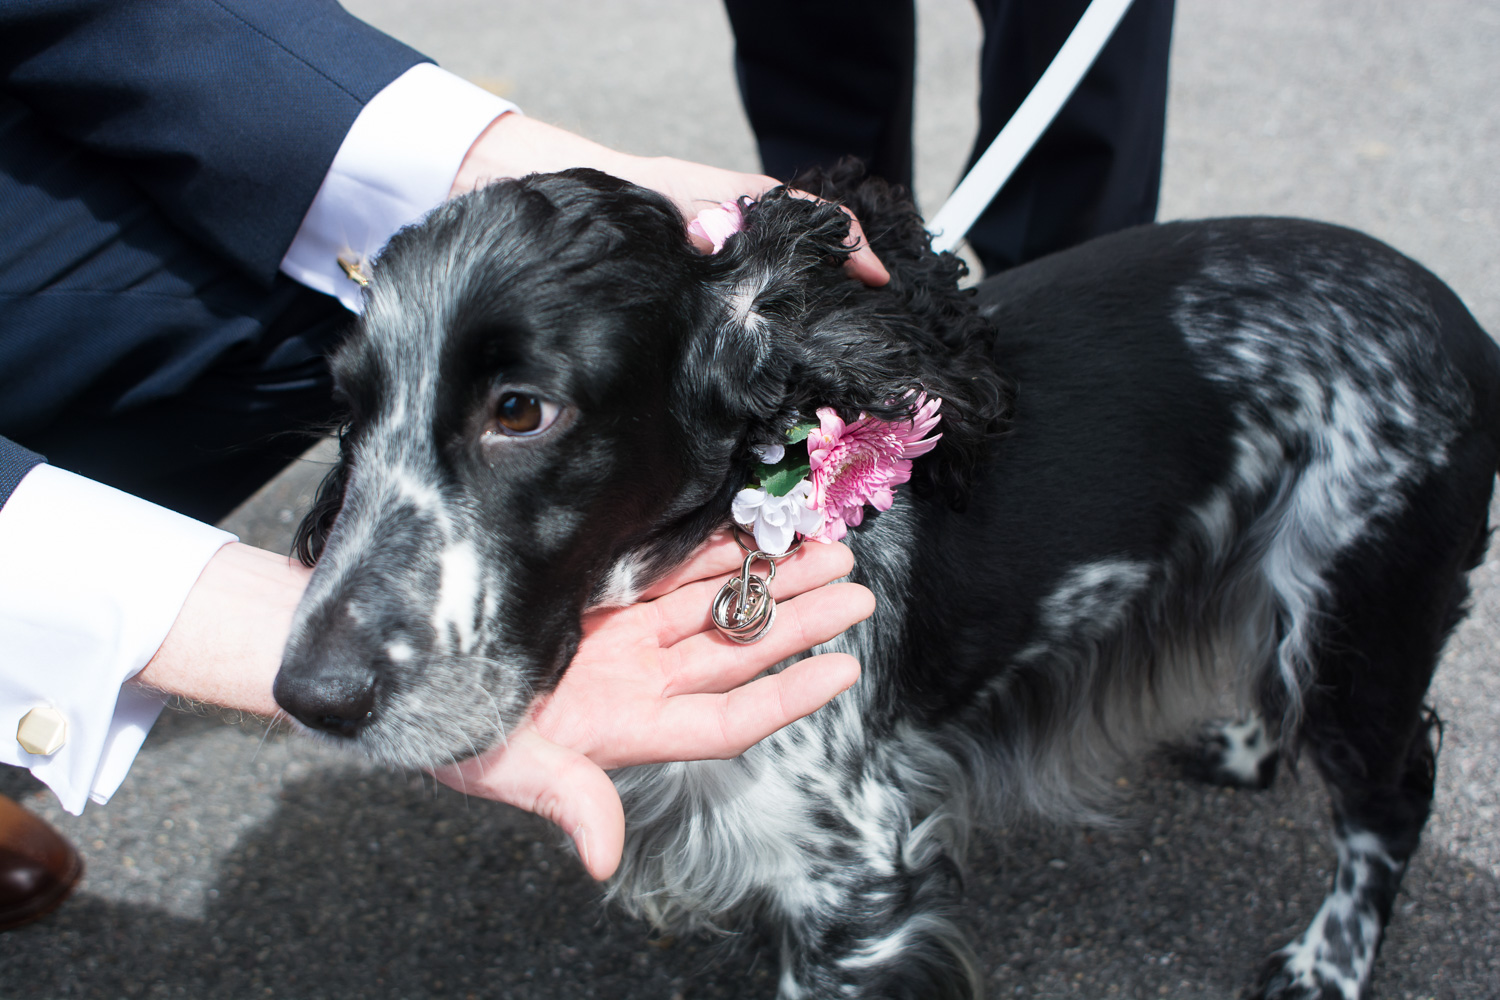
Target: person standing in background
x=826, y=79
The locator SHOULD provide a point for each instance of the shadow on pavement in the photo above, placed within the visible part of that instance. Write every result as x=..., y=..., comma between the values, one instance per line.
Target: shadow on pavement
x=371, y=885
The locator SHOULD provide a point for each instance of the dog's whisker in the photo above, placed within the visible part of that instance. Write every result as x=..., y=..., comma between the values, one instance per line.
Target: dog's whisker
x=499, y=719
x=275, y=719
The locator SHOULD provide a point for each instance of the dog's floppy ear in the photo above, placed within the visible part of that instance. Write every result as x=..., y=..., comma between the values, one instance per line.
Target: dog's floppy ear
x=312, y=533
x=792, y=333
x=789, y=331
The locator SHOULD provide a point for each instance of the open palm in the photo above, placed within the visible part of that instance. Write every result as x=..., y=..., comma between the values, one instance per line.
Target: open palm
x=653, y=681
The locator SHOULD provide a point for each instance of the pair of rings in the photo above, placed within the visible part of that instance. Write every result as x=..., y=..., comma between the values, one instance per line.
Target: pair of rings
x=743, y=609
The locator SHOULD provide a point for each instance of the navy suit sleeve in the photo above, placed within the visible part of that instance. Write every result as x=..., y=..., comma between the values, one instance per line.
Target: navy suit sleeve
x=15, y=462
x=227, y=113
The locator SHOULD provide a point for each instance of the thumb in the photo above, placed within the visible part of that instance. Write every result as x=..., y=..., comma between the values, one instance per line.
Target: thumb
x=555, y=783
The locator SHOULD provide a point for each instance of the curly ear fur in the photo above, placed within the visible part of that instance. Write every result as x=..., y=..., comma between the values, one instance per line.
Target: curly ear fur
x=796, y=333
x=312, y=532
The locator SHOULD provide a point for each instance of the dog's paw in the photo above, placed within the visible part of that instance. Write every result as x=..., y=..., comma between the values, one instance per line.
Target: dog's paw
x=1239, y=754
x=1282, y=977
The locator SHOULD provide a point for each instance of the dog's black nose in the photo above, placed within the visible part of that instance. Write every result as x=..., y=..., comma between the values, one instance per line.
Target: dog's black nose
x=339, y=705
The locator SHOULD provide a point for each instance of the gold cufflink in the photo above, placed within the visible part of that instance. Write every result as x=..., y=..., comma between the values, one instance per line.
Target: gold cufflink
x=42, y=731
x=354, y=268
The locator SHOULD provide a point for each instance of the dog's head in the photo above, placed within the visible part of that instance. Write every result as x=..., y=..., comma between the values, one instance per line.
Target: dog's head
x=552, y=398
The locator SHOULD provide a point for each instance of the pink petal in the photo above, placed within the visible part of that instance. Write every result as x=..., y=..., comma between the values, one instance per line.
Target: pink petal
x=719, y=223
x=858, y=464
x=831, y=424
x=924, y=418
x=916, y=448
x=833, y=530
x=818, y=449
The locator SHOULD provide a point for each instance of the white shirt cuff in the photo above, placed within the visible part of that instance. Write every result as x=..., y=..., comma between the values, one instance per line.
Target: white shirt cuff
x=395, y=165
x=93, y=579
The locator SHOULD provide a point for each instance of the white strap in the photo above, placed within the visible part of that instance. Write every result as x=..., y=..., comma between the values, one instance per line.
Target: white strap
x=975, y=192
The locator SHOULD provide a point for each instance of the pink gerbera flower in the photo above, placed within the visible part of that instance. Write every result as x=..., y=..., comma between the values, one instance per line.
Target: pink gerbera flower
x=718, y=223
x=860, y=463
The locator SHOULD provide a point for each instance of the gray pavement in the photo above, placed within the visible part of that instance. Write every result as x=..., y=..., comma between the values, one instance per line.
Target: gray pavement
x=238, y=863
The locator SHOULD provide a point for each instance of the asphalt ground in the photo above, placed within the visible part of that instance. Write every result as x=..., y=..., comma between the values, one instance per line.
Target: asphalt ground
x=237, y=863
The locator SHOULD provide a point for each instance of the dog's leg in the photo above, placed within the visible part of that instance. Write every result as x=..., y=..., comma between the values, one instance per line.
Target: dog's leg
x=1375, y=834
x=838, y=842
x=1239, y=753
x=884, y=926
x=1394, y=599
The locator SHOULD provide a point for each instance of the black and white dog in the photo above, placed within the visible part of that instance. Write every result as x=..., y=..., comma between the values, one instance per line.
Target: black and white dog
x=1239, y=462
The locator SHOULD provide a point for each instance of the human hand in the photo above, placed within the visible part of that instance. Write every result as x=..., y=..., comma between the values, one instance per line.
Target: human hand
x=655, y=682
x=514, y=145
x=690, y=186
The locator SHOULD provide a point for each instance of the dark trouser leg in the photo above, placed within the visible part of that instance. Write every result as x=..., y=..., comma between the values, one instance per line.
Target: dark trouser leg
x=1098, y=167
x=826, y=79
x=131, y=355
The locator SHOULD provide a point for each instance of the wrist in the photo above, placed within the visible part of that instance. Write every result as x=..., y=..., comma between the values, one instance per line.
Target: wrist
x=514, y=145
x=225, y=646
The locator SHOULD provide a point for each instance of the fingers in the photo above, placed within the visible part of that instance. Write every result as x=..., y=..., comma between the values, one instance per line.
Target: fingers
x=700, y=243
x=685, y=611
x=709, y=662
x=862, y=264
x=558, y=784
x=718, y=556
x=718, y=726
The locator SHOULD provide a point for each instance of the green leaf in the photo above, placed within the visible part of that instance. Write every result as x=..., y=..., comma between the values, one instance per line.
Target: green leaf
x=799, y=433
x=782, y=482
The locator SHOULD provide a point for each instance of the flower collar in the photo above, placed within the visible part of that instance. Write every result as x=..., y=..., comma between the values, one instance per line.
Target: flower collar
x=820, y=490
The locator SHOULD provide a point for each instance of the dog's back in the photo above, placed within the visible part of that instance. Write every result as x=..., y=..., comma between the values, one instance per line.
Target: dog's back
x=1247, y=463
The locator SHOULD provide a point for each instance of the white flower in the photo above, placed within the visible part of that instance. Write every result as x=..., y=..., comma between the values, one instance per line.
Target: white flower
x=769, y=454
x=775, y=521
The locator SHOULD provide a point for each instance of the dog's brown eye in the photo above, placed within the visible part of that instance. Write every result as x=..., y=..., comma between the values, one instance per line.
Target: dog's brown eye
x=518, y=414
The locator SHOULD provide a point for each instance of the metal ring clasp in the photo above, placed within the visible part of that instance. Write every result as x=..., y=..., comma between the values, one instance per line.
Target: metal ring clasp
x=744, y=609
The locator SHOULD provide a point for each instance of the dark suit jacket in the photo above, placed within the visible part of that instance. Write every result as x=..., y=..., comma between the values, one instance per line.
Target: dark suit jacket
x=156, y=159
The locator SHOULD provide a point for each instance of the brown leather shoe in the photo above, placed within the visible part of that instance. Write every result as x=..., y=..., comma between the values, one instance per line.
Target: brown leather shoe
x=38, y=868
